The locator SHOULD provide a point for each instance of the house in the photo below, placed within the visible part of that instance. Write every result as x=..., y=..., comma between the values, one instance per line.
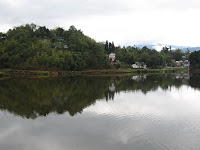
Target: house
x=182, y=63
x=178, y=64
x=134, y=66
x=3, y=37
x=145, y=66
x=139, y=65
x=65, y=46
x=112, y=56
x=186, y=64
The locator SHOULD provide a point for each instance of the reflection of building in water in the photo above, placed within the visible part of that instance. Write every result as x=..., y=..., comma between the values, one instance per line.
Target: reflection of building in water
x=139, y=78
x=109, y=95
x=184, y=77
x=112, y=87
x=111, y=91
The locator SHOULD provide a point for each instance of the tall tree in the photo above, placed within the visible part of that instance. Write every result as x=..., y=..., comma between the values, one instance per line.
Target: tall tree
x=195, y=60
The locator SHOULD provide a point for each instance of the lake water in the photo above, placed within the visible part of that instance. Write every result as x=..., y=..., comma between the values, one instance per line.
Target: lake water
x=146, y=112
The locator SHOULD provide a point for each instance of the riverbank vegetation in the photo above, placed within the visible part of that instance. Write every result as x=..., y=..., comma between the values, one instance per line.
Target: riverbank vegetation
x=10, y=73
x=195, y=60
x=32, y=47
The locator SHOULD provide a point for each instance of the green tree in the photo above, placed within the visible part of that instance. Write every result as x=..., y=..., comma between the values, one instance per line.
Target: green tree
x=195, y=60
x=177, y=55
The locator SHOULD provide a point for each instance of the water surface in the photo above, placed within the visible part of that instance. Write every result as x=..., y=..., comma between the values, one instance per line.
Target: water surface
x=146, y=112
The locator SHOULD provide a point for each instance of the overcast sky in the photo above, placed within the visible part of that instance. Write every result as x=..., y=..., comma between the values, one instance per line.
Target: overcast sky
x=126, y=22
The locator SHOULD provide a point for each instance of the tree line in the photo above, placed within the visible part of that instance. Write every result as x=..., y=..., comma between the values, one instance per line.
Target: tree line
x=195, y=60
x=152, y=58
x=37, y=47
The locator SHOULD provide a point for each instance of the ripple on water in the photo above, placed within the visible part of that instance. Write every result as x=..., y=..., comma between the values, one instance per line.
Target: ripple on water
x=161, y=132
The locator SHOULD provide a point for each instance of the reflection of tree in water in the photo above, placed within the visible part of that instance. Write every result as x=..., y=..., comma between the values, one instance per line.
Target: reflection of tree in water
x=195, y=81
x=32, y=98
x=149, y=83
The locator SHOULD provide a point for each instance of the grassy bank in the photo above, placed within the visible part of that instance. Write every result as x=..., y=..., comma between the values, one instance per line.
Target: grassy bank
x=125, y=71
x=11, y=73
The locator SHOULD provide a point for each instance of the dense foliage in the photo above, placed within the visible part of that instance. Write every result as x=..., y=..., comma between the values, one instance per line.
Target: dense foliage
x=195, y=60
x=37, y=47
x=33, y=47
x=154, y=59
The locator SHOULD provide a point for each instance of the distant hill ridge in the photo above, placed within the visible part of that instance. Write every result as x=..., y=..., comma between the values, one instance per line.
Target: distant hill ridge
x=183, y=48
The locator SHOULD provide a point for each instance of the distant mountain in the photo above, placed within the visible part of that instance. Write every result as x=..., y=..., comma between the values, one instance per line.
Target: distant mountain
x=173, y=47
x=142, y=45
x=192, y=49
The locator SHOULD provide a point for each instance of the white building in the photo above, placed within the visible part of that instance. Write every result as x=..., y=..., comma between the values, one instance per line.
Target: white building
x=144, y=66
x=134, y=66
x=139, y=65
x=112, y=56
x=65, y=46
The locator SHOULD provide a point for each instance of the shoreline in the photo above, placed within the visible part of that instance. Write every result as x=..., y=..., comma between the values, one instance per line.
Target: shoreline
x=15, y=73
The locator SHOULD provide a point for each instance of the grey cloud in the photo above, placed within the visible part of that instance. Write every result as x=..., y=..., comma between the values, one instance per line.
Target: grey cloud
x=52, y=10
